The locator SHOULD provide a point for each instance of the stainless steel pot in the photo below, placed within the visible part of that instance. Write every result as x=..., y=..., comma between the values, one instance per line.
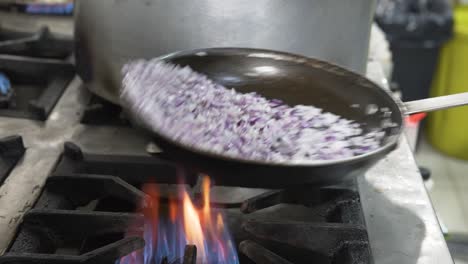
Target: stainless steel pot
x=110, y=32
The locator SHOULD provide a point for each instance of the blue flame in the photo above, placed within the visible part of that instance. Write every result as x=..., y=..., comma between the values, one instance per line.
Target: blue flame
x=5, y=84
x=167, y=239
x=58, y=9
x=165, y=235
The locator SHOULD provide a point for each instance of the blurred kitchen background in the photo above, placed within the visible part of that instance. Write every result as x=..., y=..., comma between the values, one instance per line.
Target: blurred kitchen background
x=422, y=48
x=428, y=42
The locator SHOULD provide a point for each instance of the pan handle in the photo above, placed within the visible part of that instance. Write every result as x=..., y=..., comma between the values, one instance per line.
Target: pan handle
x=436, y=103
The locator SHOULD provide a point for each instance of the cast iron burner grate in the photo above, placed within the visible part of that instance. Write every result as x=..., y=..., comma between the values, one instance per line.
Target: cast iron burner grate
x=101, y=112
x=40, y=44
x=11, y=151
x=36, y=86
x=88, y=203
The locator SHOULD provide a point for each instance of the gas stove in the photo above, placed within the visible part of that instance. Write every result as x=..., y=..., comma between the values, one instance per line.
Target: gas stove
x=96, y=195
x=74, y=188
x=85, y=209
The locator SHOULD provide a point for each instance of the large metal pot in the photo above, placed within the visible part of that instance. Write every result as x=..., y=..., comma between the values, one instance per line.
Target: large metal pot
x=110, y=32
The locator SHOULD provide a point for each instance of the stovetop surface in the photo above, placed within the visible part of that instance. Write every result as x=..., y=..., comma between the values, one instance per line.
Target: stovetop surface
x=400, y=220
x=89, y=201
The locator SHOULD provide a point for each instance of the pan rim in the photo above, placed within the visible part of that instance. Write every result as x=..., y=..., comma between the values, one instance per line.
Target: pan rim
x=389, y=145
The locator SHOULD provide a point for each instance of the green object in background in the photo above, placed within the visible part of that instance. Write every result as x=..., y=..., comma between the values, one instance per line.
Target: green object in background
x=448, y=129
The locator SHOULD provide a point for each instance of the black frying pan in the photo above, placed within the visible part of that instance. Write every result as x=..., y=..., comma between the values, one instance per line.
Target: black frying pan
x=295, y=80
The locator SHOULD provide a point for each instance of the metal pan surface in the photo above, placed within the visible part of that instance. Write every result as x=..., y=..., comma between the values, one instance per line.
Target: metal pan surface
x=295, y=80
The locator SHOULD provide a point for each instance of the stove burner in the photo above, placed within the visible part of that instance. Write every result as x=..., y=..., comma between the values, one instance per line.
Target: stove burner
x=37, y=86
x=101, y=112
x=11, y=151
x=87, y=206
x=40, y=44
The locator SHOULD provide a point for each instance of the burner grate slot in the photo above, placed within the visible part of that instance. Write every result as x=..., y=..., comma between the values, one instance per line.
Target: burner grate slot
x=334, y=204
x=328, y=240
x=259, y=254
x=36, y=85
x=11, y=151
x=100, y=112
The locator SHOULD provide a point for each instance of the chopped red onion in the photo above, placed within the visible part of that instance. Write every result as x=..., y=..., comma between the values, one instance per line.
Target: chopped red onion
x=190, y=108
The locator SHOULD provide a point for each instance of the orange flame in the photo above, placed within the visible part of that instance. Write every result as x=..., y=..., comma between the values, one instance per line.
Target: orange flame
x=193, y=228
x=184, y=224
x=206, y=200
x=219, y=223
x=151, y=206
x=173, y=209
